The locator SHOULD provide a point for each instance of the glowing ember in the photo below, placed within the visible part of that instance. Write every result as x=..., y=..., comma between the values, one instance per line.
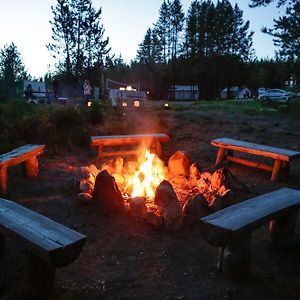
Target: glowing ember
x=148, y=176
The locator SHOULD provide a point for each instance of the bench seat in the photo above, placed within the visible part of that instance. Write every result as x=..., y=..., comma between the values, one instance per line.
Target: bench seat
x=49, y=244
x=281, y=156
x=231, y=228
x=26, y=154
x=150, y=140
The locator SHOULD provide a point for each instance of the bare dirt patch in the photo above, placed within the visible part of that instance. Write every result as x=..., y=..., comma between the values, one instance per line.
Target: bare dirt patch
x=126, y=259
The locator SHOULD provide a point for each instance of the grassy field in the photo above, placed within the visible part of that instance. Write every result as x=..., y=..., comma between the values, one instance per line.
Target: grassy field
x=67, y=126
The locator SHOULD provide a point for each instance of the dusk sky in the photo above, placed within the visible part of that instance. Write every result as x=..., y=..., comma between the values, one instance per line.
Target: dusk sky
x=26, y=24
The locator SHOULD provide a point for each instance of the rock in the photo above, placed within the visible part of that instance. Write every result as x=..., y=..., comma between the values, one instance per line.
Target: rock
x=195, y=209
x=168, y=205
x=107, y=194
x=138, y=208
x=194, y=171
x=84, y=197
x=217, y=179
x=93, y=170
x=153, y=219
x=86, y=187
x=179, y=164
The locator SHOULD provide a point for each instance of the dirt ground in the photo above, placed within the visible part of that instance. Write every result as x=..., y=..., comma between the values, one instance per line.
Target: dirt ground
x=126, y=259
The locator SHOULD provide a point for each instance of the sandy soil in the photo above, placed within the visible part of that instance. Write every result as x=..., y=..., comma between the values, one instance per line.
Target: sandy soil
x=126, y=259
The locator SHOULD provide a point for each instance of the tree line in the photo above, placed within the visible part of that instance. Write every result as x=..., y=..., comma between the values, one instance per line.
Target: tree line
x=210, y=47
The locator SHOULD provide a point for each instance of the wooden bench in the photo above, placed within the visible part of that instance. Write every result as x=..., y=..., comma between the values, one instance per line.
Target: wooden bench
x=231, y=228
x=151, y=140
x=281, y=157
x=49, y=245
x=26, y=154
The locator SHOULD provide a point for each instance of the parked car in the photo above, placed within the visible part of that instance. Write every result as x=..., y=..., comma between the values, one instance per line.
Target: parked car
x=275, y=95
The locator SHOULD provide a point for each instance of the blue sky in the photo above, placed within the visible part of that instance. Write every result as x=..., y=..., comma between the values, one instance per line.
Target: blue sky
x=26, y=23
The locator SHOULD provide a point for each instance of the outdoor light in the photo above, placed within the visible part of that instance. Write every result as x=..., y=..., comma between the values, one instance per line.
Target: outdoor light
x=89, y=104
x=124, y=103
x=136, y=103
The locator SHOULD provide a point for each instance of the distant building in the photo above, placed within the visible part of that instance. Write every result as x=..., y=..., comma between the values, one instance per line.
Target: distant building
x=236, y=92
x=183, y=92
x=38, y=88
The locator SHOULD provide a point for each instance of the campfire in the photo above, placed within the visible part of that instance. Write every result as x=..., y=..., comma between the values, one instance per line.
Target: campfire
x=155, y=193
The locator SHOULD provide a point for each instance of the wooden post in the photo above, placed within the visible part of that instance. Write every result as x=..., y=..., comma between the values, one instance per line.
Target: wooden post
x=276, y=169
x=39, y=278
x=220, y=155
x=31, y=167
x=236, y=258
x=2, y=245
x=3, y=179
x=282, y=231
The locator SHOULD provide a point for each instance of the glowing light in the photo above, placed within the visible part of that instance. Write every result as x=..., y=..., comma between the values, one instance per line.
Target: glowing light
x=124, y=104
x=89, y=104
x=136, y=103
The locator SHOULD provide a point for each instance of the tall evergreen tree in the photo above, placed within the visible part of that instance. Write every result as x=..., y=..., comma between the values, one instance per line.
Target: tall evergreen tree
x=11, y=69
x=255, y=3
x=62, y=36
x=78, y=37
x=162, y=29
x=286, y=33
x=177, y=18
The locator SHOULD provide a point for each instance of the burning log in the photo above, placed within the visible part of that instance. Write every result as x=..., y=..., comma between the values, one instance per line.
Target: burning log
x=179, y=164
x=168, y=205
x=107, y=194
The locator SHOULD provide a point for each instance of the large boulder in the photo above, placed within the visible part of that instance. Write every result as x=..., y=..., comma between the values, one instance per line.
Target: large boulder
x=195, y=209
x=179, y=164
x=168, y=205
x=106, y=193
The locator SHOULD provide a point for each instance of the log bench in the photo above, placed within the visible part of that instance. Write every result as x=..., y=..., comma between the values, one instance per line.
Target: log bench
x=231, y=228
x=49, y=245
x=27, y=155
x=281, y=157
x=152, y=140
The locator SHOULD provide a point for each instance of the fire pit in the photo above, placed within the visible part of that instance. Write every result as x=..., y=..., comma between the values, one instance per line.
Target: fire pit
x=155, y=193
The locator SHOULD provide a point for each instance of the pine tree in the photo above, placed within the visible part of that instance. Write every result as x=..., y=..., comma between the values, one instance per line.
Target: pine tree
x=162, y=28
x=286, y=33
x=11, y=69
x=78, y=37
x=177, y=18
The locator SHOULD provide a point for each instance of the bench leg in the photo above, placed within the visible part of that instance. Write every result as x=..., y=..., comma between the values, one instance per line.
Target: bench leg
x=39, y=278
x=282, y=231
x=234, y=259
x=220, y=155
x=2, y=245
x=31, y=167
x=3, y=180
x=276, y=169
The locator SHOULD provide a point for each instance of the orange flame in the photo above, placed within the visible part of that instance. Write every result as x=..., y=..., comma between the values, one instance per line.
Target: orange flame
x=150, y=173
